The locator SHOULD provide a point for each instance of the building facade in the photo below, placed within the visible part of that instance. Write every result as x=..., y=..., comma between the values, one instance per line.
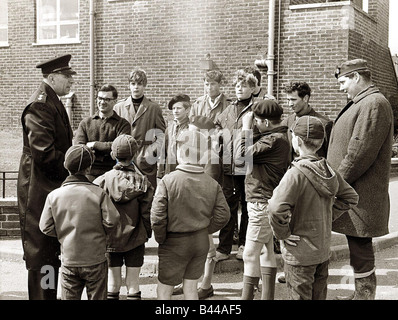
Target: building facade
x=170, y=39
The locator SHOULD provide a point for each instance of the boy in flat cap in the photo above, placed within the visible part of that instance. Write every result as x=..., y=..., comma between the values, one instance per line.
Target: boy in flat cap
x=80, y=215
x=47, y=135
x=270, y=153
x=180, y=105
x=181, y=226
x=132, y=194
x=308, y=198
x=360, y=150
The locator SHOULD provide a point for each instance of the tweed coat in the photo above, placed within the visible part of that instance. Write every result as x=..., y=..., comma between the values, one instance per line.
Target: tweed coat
x=147, y=127
x=360, y=149
x=47, y=135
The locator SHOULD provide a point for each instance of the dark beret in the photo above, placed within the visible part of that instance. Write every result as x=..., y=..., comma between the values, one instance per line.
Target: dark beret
x=267, y=109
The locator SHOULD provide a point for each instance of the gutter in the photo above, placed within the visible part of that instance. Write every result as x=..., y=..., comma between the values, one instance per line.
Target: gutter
x=92, y=60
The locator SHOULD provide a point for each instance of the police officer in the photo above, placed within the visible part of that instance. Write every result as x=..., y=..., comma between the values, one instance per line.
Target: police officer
x=47, y=135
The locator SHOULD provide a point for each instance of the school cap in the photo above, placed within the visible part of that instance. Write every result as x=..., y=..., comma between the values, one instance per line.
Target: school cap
x=124, y=146
x=351, y=66
x=57, y=65
x=78, y=157
x=178, y=98
x=202, y=122
x=308, y=127
x=267, y=109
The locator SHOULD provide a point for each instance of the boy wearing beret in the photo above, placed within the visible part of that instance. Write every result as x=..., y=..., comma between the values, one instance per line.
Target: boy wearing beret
x=80, y=215
x=181, y=226
x=270, y=153
x=132, y=195
x=308, y=198
x=179, y=104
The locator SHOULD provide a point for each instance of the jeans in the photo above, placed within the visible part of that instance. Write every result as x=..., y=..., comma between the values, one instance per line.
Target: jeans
x=234, y=192
x=94, y=278
x=307, y=282
x=362, y=257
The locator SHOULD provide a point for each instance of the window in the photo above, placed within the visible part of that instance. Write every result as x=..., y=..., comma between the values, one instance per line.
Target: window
x=57, y=21
x=3, y=23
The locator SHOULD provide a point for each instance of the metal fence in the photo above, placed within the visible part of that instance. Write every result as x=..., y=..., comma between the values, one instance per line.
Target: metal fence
x=6, y=176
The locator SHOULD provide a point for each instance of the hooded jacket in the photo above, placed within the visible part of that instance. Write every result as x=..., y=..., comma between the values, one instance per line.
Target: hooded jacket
x=309, y=197
x=132, y=194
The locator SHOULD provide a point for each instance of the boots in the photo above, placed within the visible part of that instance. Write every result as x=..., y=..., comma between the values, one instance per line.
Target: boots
x=365, y=289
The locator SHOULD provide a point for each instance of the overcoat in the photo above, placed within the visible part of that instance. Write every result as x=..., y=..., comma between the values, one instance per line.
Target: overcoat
x=47, y=135
x=360, y=149
x=147, y=127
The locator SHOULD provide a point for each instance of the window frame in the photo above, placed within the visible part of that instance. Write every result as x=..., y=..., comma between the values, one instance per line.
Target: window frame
x=5, y=27
x=58, y=23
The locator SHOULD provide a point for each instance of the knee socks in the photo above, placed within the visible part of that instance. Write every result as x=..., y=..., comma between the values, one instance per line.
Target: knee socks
x=248, y=287
x=268, y=275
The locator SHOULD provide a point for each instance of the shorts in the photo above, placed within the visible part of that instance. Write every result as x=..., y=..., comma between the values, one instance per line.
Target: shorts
x=182, y=256
x=258, y=228
x=133, y=258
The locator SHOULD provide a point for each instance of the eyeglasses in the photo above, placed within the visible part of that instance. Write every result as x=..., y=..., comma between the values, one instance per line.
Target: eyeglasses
x=105, y=99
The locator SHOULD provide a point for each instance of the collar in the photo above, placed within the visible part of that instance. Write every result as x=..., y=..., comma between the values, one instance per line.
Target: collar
x=192, y=168
x=182, y=123
x=216, y=101
x=369, y=90
x=76, y=178
x=97, y=116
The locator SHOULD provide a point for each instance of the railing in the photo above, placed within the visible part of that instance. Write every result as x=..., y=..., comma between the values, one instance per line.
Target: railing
x=4, y=178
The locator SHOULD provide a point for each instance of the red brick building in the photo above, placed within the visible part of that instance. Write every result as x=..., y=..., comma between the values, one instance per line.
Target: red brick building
x=171, y=38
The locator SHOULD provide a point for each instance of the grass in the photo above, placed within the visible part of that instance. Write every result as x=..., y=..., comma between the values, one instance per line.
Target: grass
x=10, y=150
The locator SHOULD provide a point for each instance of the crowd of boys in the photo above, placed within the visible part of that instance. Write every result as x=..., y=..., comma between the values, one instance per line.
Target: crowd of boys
x=131, y=175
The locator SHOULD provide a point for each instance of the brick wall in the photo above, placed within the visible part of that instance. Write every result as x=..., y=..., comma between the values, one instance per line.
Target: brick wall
x=9, y=218
x=169, y=38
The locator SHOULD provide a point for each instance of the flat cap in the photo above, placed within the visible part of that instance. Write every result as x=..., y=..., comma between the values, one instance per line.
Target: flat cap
x=124, y=147
x=178, y=98
x=267, y=109
x=308, y=127
x=202, y=122
x=78, y=157
x=351, y=66
x=57, y=65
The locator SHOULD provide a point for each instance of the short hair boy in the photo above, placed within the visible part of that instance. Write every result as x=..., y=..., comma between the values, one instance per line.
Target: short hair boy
x=308, y=198
x=270, y=153
x=81, y=216
x=181, y=226
x=213, y=102
x=132, y=194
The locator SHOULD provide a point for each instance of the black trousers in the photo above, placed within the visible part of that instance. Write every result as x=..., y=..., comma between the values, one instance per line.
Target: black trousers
x=362, y=258
x=38, y=286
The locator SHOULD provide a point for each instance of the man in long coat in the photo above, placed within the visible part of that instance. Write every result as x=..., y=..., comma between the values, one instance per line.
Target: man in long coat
x=47, y=135
x=360, y=149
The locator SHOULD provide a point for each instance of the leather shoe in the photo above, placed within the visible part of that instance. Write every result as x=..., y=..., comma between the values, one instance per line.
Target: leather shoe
x=205, y=293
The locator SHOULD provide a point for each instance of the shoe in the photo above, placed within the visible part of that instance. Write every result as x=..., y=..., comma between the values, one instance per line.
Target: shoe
x=134, y=296
x=112, y=296
x=239, y=255
x=282, y=278
x=221, y=256
x=205, y=293
x=178, y=290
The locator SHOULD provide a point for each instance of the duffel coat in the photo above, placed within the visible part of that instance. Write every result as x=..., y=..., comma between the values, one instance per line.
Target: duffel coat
x=47, y=135
x=360, y=149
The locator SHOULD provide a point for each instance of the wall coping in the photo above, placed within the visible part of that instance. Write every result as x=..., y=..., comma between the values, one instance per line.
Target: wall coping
x=9, y=202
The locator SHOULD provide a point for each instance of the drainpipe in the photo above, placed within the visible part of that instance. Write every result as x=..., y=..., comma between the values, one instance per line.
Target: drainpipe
x=271, y=38
x=92, y=61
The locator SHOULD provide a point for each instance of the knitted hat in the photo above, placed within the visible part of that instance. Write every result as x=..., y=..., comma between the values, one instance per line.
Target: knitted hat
x=308, y=127
x=267, y=109
x=351, y=66
x=124, y=146
x=202, y=122
x=78, y=157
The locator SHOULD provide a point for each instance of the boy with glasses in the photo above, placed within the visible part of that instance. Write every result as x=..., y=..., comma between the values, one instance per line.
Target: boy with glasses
x=99, y=131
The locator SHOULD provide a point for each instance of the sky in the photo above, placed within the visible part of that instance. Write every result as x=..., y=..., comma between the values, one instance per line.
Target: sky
x=393, y=34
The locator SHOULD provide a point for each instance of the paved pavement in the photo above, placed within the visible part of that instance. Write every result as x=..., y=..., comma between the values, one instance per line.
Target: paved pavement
x=11, y=254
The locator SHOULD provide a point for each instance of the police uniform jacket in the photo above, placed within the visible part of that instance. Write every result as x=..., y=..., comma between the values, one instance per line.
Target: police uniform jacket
x=47, y=135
